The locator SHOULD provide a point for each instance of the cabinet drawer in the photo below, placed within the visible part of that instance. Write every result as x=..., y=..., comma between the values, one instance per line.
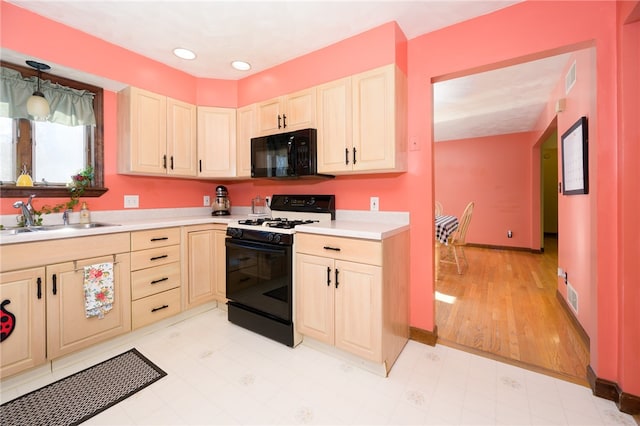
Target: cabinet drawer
x=154, y=308
x=154, y=238
x=146, y=282
x=351, y=249
x=154, y=257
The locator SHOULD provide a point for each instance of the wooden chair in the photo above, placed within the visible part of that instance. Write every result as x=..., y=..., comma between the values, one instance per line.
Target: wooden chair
x=457, y=241
x=438, y=208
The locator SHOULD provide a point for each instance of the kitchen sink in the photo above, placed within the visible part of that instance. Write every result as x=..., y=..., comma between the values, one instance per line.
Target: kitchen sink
x=70, y=227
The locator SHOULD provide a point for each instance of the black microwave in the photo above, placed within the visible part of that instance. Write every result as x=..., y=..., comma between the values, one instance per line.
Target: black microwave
x=285, y=155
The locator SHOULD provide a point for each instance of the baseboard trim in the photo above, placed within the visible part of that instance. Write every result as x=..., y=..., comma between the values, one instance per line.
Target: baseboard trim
x=493, y=247
x=424, y=336
x=603, y=388
x=572, y=318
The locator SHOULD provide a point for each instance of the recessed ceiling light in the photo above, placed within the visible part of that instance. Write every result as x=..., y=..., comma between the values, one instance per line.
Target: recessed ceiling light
x=241, y=65
x=184, y=53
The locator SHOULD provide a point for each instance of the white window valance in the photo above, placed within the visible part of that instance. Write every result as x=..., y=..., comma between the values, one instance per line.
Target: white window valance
x=70, y=107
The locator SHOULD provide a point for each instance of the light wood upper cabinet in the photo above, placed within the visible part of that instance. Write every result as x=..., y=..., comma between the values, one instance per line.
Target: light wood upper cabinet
x=154, y=133
x=181, y=138
x=335, y=134
x=246, y=125
x=376, y=140
x=22, y=294
x=216, y=142
x=142, y=132
x=287, y=113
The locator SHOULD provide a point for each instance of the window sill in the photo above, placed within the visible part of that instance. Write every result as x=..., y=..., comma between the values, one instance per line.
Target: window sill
x=12, y=191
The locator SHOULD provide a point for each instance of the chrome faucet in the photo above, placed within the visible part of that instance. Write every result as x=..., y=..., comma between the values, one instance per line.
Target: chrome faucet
x=27, y=210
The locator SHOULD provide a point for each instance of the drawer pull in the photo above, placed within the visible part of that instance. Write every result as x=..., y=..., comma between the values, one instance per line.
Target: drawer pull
x=331, y=248
x=160, y=308
x=164, y=256
x=159, y=280
x=159, y=238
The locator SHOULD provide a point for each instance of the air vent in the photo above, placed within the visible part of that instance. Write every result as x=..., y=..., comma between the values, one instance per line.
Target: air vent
x=570, y=78
x=573, y=297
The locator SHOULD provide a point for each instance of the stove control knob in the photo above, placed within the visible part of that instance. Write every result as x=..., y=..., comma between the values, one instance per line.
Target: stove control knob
x=276, y=238
x=270, y=236
x=235, y=232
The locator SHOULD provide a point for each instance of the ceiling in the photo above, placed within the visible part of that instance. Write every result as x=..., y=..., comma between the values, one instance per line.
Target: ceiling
x=267, y=33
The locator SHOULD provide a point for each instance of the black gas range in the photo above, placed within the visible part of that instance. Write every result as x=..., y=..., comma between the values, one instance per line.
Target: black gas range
x=259, y=261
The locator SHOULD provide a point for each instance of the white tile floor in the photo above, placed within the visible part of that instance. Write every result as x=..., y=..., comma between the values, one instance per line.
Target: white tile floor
x=221, y=374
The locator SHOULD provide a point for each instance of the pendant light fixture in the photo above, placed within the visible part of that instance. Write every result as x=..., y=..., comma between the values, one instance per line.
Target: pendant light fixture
x=37, y=105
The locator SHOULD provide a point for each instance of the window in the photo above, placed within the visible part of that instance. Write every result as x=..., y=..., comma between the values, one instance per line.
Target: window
x=51, y=152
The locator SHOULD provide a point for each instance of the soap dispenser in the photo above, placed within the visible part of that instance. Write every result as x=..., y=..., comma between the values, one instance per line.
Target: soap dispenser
x=85, y=215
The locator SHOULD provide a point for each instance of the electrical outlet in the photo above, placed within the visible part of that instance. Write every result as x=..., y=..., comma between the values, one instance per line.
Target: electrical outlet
x=509, y=234
x=374, y=204
x=206, y=201
x=131, y=201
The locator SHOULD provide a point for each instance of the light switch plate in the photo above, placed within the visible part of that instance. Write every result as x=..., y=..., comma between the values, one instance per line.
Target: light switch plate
x=374, y=204
x=131, y=201
x=206, y=201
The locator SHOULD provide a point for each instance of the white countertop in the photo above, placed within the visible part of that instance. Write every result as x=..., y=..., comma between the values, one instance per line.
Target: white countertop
x=348, y=223
x=352, y=229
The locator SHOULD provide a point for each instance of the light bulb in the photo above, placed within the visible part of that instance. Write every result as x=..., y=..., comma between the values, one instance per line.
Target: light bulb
x=38, y=107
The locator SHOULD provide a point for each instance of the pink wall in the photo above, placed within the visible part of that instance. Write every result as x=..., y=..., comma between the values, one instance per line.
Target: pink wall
x=493, y=172
x=494, y=40
x=629, y=157
x=508, y=36
x=362, y=52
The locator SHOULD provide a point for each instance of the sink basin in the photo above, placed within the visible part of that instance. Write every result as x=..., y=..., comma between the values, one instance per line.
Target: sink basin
x=14, y=231
x=71, y=227
x=74, y=226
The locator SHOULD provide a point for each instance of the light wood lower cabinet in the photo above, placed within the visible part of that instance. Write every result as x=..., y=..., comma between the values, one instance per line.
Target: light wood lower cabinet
x=23, y=305
x=43, y=283
x=68, y=328
x=155, y=275
x=353, y=294
x=206, y=264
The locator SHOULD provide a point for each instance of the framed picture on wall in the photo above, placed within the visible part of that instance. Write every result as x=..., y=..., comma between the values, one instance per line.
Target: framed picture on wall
x=575, y=159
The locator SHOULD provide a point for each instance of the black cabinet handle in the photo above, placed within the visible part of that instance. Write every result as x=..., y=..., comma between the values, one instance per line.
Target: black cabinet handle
x=164, y=161
x=159, y=257
x=54, y=289
x=337, y=283
x=354, y=155
x=39, y=281
x=284, y=120
x=331, y=248
x=159, y=238
x=346, y=156
x=160, y=308
x=200, y=161
x=279, y=118
x=159, y=280
x=328, y=276
x=172, y=162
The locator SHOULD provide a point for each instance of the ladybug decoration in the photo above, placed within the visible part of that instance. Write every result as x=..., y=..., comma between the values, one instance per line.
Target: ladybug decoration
x=7, y=321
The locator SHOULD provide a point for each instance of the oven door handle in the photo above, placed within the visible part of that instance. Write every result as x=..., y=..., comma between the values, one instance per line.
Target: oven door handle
x=253, y=245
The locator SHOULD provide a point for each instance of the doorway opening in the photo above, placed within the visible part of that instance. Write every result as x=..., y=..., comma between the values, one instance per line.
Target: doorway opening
x=505, y=305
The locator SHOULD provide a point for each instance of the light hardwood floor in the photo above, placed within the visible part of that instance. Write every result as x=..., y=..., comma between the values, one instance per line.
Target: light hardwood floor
x=505, y=307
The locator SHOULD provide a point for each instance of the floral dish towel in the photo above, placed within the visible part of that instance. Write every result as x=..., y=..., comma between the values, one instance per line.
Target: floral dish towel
x=98, y=289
